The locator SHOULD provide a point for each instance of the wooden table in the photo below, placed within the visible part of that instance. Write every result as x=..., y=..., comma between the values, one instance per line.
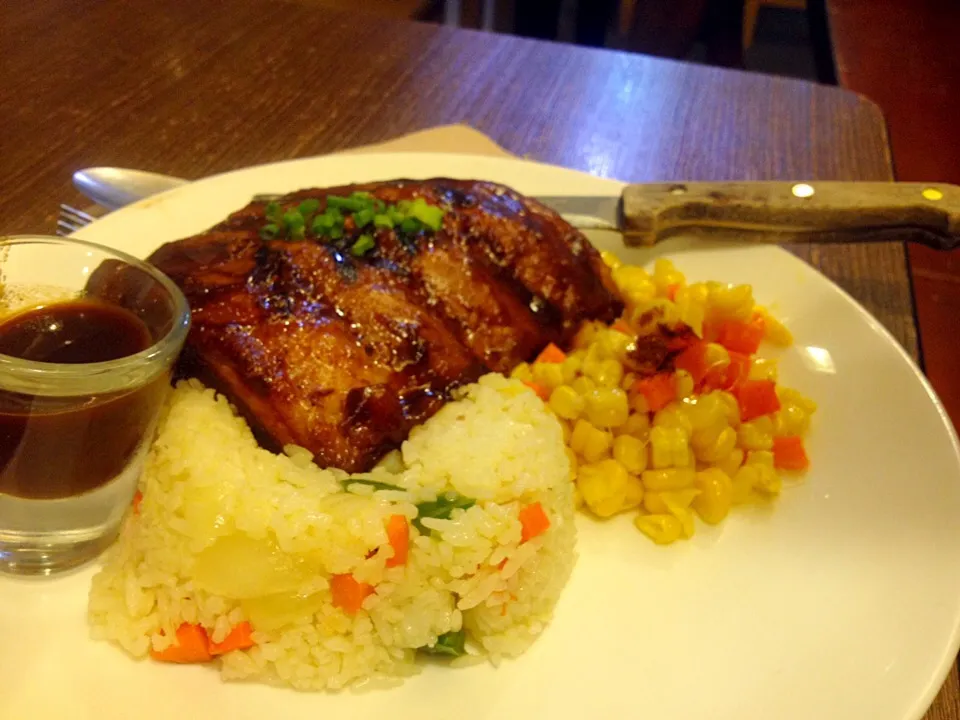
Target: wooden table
x=185, y=88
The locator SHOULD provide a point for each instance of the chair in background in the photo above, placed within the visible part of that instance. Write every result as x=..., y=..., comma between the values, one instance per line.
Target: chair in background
x=751, y=8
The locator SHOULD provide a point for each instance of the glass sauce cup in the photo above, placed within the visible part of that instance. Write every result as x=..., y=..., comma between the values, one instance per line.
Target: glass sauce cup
x=74, y=434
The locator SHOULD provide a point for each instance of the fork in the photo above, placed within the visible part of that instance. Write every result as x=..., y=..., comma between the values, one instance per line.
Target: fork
x=72, y=219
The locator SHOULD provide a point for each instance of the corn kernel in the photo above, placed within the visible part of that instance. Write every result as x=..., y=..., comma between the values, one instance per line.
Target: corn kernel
x=768, y=484
x=731, y=408
x=653, y=502
x=681, y=513
x=789, y=396
x=634, y=284
x=762, y=369
x=669, y=448
x=716, y=357
x=578, y=437
x=691, y=302
x=759, y=457
x=669, y=479
x=630, y=452
x=626, y=274
x=731, y=463
x=570, y=368
x=591, y=364
x=637, y=425
x=628, y=380
x=663, y=529
x=790, y=420
x=613, y=344
x=597, y=445
x=548, y=375
x=566, y=402
x=608, y=373
x=705, y=411
x=697, y=292
x=638, y=294
x=685, y=384
x=634, y=494
x=665, y=499
x=756, y=434
x=712, y=444
x=603, y=486
x=567, y=430
x=522, y=372
x=716, y=495
x=638, y=403
x=744, y=480
x=774, y=330
x=583, y=385
x=642, y=317
x=611, y=260
x=665, y=275
x=647, y=316
x=674, y=415
x=585, y=334
x=731, y=302
x=607, y=407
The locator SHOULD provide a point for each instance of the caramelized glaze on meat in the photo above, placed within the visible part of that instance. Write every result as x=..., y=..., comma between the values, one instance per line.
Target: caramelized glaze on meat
x=344, y=355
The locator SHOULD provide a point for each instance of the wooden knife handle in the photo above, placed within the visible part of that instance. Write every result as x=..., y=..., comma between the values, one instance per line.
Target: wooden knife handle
x=928, y=213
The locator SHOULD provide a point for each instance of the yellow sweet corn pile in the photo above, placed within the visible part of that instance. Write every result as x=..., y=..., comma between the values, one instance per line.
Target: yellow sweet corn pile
x=710, y=431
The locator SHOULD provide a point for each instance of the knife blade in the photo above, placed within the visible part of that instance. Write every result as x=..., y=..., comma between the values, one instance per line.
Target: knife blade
x=645, y=213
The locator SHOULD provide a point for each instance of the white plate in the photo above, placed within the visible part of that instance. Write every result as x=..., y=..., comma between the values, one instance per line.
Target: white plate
x=843, y=602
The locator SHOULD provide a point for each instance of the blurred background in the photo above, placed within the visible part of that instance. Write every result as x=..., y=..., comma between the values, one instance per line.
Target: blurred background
x=783, y=37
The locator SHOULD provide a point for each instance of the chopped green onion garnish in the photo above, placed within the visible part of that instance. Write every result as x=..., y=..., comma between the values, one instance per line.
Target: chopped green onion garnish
x=351, y=204
x=441, y=508
x=429, y=215
x=326, y=221
x=375, y=484
x=394, y=214
x=273, y=212
x=410, y=225
x=364, y=217
x=451, y=643
x=321, y=225
x=294, y=223
x=408, y=217
x=362, y=246
x=308, y=207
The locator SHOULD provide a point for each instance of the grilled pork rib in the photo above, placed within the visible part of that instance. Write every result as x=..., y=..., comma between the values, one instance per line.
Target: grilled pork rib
x=343, y=355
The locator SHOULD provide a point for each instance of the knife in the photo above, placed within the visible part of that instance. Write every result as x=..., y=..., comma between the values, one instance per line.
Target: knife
x=645, y=213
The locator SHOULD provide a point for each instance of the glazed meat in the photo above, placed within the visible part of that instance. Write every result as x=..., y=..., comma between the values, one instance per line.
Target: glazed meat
x=341, y=348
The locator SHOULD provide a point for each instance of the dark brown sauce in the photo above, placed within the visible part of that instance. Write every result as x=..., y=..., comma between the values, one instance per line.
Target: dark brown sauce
x=58, y=447
x=79, y=331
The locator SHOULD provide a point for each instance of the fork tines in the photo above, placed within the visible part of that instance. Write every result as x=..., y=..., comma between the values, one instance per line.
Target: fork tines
x=72, y=219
